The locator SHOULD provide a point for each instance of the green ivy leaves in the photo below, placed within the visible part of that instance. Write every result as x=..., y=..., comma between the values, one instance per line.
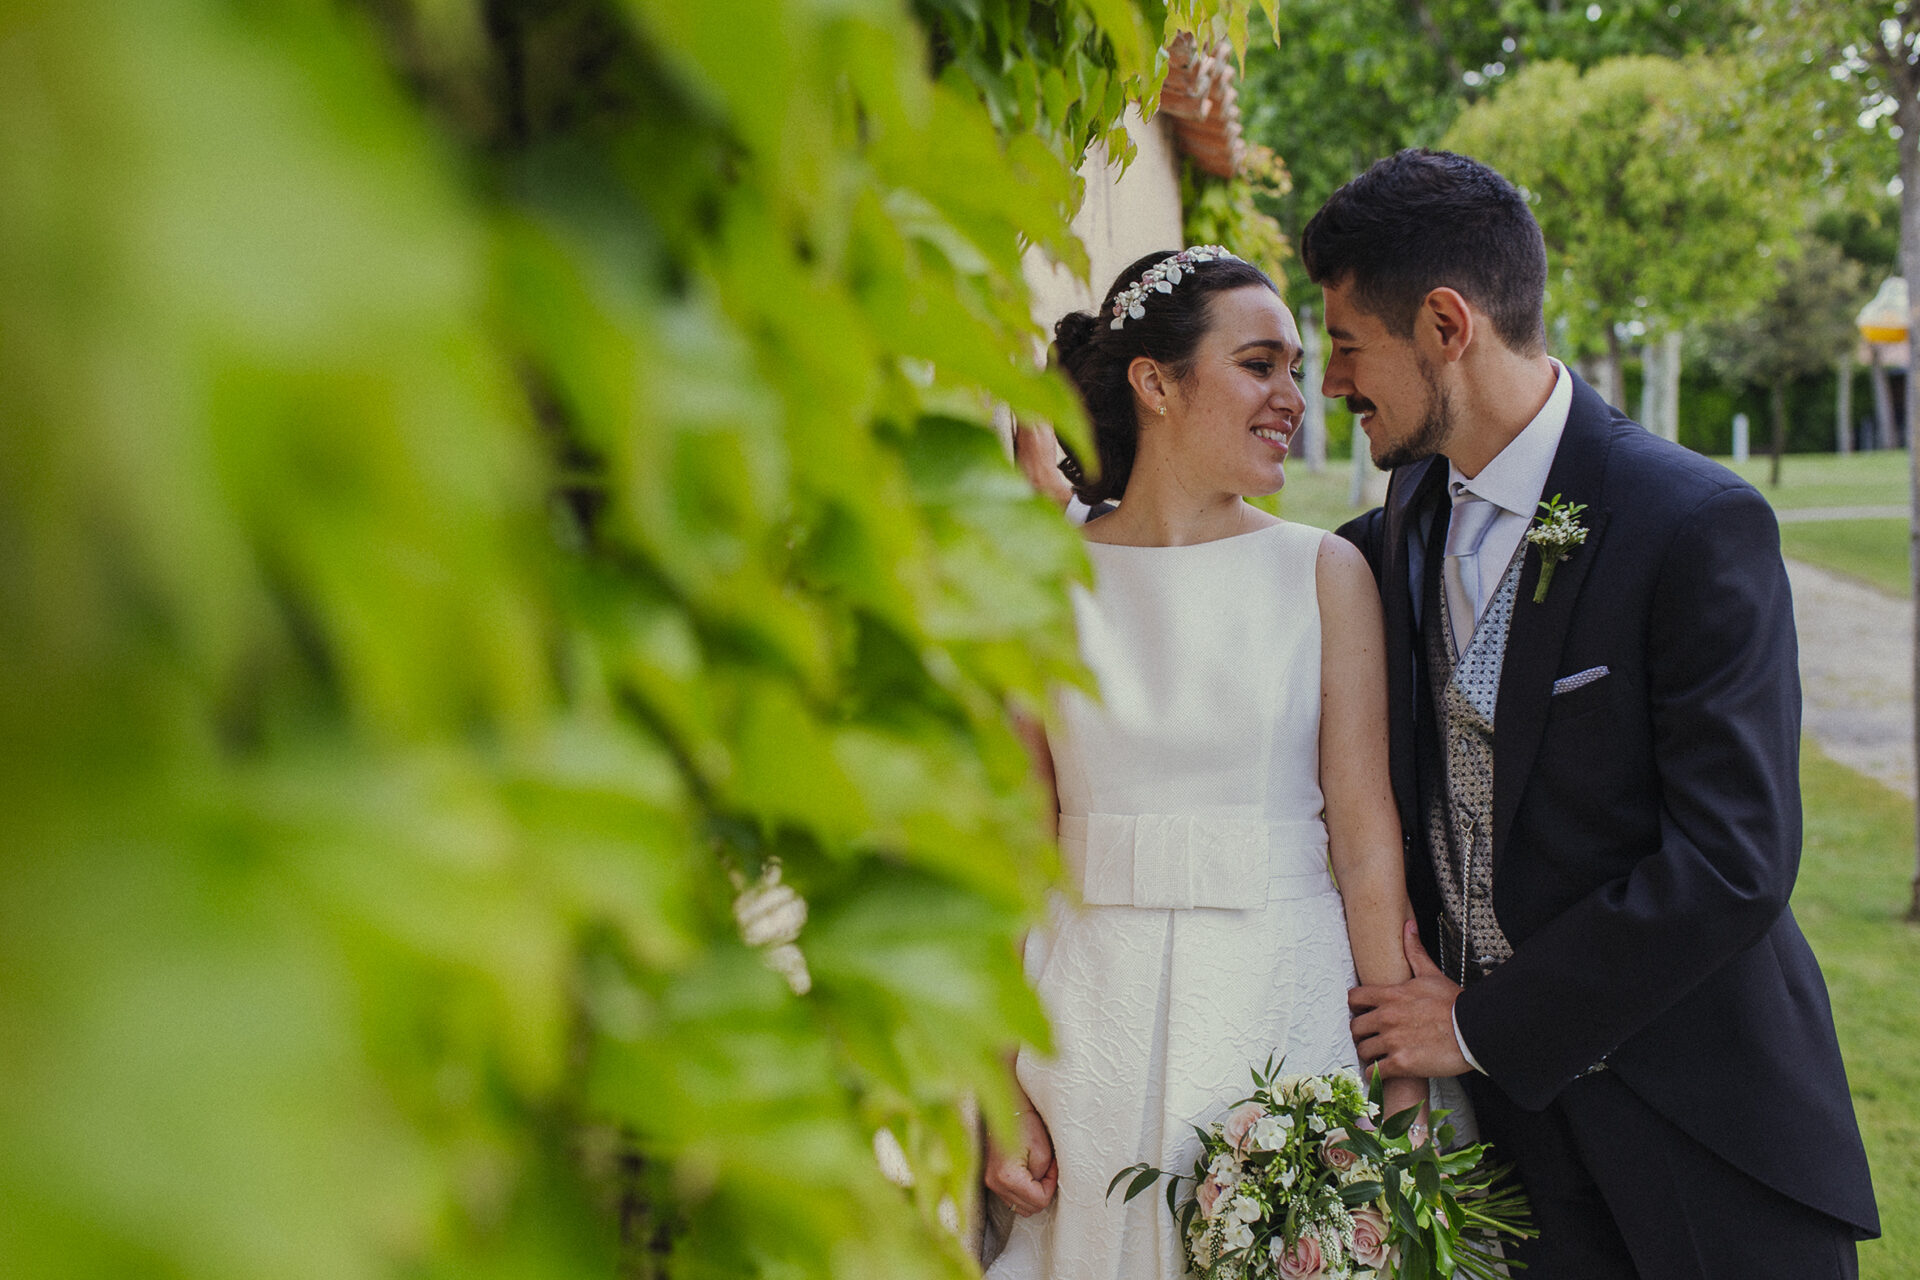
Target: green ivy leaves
x=483, y=483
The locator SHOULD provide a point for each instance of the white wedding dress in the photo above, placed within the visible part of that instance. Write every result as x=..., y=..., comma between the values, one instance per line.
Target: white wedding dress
x=1208, y=934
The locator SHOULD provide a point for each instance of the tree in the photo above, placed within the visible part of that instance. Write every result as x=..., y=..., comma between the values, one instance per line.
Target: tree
x=496, y=498
x=1345, y=82
x=1800, y=330
x=1640, y=172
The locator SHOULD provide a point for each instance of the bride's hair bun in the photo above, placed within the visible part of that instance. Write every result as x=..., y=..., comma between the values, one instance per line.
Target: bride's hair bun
x=1073, y=332
x=1095, y=355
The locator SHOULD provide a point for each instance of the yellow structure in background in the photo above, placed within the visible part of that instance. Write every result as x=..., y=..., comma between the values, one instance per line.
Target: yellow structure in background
x=1885, y=318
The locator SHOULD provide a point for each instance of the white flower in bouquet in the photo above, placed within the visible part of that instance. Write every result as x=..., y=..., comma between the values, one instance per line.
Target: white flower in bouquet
x=1238, y=1220
x=1270, y=1133
x=1225, y=1169
x=1200, y=1243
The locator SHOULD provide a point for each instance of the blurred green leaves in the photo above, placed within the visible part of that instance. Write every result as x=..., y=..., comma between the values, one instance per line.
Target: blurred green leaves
x=480, y=481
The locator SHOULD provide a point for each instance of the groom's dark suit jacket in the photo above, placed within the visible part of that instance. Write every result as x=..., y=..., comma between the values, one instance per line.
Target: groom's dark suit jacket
x=1647, y=824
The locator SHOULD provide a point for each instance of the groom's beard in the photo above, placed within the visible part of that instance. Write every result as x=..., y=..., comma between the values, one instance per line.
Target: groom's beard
x=1436, y=425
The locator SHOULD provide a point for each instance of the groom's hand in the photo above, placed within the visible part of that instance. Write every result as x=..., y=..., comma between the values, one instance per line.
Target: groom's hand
x=1407, y=1029
x=1024, y=1178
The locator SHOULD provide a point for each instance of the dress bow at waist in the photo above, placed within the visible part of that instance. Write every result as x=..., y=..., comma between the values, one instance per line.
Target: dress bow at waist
x=1173, y=861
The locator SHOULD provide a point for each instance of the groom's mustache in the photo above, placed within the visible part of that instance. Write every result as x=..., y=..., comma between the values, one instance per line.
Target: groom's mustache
x=1359, y=405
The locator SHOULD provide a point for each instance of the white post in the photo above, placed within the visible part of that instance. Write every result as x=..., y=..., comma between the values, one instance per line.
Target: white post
x=1313, y=425
x=1650, y=382
x=1740, y=429
x=1357, y=485
x=1843, y=405
x=1670, y=386
x=1882, y=400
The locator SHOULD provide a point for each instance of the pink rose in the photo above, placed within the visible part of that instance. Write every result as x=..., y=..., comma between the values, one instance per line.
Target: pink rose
x=1240, y=1122
x=1303, y=1261
x=1208, y=1195
x=1335, y=1156
x=1369, y=1238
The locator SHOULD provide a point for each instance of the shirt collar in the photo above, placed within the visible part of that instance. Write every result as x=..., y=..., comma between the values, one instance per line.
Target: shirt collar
x=1516, y=479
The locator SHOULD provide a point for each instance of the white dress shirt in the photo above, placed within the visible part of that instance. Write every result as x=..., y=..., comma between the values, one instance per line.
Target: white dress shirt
x=1515, y=481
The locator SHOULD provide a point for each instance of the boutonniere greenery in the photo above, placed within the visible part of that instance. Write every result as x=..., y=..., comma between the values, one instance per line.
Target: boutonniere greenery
x=1556, y=531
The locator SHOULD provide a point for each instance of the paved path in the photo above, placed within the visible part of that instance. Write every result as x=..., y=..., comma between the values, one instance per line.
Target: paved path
x=1856, y=672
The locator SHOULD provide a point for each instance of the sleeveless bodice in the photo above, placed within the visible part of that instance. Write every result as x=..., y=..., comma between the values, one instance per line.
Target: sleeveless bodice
x=1194, y=776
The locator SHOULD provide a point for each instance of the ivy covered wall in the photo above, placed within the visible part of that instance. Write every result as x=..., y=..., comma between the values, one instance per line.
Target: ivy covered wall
x=485, y=482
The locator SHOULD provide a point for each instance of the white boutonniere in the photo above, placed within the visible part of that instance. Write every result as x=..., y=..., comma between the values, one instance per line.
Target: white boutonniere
x=1556, y=531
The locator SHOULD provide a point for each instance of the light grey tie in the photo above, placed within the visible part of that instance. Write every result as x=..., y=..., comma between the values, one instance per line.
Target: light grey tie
x=1466, y=530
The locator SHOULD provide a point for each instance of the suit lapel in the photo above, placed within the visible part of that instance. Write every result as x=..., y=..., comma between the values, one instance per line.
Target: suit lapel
x=1539, y=631
x=1407, y=496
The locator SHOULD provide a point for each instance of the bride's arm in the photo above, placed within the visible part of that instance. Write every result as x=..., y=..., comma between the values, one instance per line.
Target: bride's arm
x=1025, y=1176
x=1363, y=827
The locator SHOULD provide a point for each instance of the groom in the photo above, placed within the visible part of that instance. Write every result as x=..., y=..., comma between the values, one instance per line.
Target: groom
x=1596, y=771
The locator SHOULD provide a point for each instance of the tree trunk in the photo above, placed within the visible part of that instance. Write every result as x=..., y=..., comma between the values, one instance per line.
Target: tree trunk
x=1907, y=116
x=1777, y=397
x=1843, y=405
x=1313, y=423
x=1615, y=390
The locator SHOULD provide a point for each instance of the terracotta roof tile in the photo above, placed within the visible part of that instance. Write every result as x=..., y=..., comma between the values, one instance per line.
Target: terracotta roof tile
x=1204, y=104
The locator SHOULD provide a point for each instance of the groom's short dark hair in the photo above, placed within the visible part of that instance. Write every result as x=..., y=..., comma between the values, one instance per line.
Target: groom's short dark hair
x=1422, y=220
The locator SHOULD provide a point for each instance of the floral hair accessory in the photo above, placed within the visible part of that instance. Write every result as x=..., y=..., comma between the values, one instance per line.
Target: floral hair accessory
x=1160, y=278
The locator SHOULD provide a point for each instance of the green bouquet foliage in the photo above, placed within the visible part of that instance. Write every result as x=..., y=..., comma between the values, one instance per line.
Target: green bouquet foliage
x=1303, y=1178
x=483, y=484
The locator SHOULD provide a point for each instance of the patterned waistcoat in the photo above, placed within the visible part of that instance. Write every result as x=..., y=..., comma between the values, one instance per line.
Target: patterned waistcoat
x=1459, y=804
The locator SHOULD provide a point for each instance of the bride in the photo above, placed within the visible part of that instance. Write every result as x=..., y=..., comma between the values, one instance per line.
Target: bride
x=1238, y=746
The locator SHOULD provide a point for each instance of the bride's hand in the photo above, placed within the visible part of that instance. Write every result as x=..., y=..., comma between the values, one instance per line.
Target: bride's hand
x=1024, y=1177
x=1403, y=1092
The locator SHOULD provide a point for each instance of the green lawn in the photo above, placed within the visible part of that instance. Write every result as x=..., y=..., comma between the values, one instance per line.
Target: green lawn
x=1873, y=551
x=1807, y=480
x=1854, y=888
x=1318, y=500
x=1829, y=480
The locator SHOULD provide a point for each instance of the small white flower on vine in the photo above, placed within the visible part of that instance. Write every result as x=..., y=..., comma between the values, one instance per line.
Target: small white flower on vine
x=770, y=916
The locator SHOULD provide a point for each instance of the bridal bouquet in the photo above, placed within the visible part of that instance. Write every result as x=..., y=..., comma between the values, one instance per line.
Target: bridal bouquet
x=1298, y=1183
